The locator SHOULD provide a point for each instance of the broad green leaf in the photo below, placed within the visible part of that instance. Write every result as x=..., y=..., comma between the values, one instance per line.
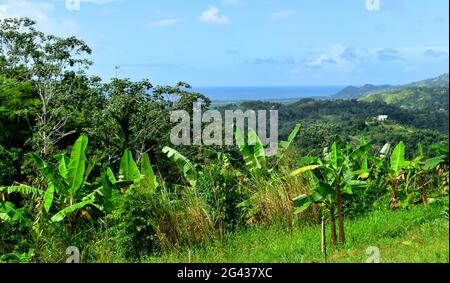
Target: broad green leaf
x=107, y=186
x=364, y=176
x=253, y=154
x=326, y=154
x=336, y=156
x=420, y=149
x=149, y=179
x=58, y=217
x=90, y=166
x=324, y=189
x=111, y=176
x=308, y=160
x=304, y=169
x=9, y=213
x=186, y=167
x=286, y=144
x=48, y=197
x=62, y=166
x=128, y=168
x=46, y=171
x=398, y=157
x=77, y=165
x=23, y=189
x=347, y=190
x=364, y=163
x=432, y=163
x=301, y=203
x=356, y=184
x=40, y=164
x=361, y=151
x=385, y=151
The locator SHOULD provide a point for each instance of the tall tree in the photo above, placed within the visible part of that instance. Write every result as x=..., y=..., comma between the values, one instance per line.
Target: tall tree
x=53, y=64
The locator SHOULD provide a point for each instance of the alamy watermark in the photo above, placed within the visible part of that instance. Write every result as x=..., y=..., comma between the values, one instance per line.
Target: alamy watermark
x=373, y=5
x=374, y=255
x=210, y=128
x=73, y=5
x=74, y=255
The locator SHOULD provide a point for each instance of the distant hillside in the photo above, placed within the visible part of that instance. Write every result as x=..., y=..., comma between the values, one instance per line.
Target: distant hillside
x=436, y=98
x=353, y=92
x=441, y=81
x=323, y=119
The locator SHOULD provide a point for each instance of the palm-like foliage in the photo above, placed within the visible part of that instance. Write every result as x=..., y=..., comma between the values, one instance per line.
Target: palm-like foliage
x=339, y=172
x=67, y=188
x=187, y=168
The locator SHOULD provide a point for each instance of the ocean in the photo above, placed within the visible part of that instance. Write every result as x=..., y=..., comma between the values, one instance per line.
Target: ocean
x=271, y=93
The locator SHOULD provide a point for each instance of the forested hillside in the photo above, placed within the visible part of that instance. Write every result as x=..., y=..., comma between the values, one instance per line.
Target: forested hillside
x=89, y=164
x=352, y=92
x=325, y=119
x=422, y=98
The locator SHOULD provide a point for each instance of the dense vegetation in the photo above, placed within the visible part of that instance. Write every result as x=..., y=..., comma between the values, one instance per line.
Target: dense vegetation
x=435, y=99
x=323, y=120
x=89, y=164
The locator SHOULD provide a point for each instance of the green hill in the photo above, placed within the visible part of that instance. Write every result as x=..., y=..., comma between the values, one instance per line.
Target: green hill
x=352, y=92
x=441, y=81
x=414, y=98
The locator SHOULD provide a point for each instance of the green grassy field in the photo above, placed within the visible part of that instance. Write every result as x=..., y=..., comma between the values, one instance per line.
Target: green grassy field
x=404, y=236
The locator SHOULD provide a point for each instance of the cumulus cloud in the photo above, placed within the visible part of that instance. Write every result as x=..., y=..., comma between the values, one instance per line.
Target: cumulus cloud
x=40, y=12
x=213, y=16
x=23, y=8
x=338, y=55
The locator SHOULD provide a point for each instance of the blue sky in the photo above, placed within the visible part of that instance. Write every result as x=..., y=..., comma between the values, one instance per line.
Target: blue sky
x=254, y=42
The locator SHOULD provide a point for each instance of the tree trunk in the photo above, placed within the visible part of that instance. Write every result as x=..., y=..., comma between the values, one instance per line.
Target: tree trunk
x=423, y=191
x=393, y=202
x=333, y=225
x=315, y=212
x=340, y=215
x=324, y=241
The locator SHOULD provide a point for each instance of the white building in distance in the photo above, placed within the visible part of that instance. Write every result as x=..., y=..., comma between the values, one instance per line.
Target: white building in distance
x=382, y=118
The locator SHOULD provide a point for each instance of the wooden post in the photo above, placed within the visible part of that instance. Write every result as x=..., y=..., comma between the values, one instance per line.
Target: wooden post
x=324, y=241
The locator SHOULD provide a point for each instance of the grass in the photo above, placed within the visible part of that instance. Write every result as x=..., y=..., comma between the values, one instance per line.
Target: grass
x=404, y=236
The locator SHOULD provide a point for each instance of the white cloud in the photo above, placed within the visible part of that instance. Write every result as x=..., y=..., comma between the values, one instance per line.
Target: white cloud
x=23, y=8
x=282, y=15
x=165, y=22
x=212, y=16
x=40, y=12
x=338, y=56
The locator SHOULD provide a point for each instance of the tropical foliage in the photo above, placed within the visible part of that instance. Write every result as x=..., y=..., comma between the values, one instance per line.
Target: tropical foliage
x=89, y=163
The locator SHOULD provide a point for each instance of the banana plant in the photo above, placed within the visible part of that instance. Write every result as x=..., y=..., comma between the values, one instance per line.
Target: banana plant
x=337, y=173
x=395, y=172
x=131, y=176
x=253, y=152
x=420, y=167
x=184, y=164
x=67, y=189
x=443, y=168
x=10, y=214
